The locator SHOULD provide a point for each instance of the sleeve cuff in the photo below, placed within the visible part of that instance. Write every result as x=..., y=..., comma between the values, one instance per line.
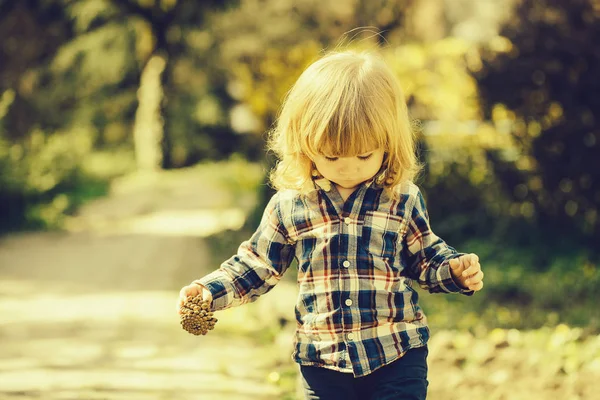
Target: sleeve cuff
x=223, y=292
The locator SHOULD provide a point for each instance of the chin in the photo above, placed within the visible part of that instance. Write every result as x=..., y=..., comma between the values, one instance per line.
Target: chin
x=352, y=186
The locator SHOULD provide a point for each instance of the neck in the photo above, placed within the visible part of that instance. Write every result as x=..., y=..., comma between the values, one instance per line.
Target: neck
x=344, y=192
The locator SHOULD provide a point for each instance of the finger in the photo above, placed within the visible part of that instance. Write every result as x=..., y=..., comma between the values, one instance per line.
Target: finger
x=455, y=264
x=466, y=260
x=206, y=294
x=189, y=291
x=469, y=260
x=474, y=258
x=476, y=278
x=476, y=286
x=183, y=293
x=472, y=270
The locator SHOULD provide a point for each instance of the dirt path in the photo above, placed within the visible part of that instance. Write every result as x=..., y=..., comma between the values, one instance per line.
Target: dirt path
x=90, y=314
x=89, y=317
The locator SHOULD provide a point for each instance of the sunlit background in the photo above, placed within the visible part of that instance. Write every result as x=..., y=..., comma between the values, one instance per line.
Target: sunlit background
x=132, y=161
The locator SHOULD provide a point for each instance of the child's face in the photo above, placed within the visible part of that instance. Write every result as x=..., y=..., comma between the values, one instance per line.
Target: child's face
x=349, y=172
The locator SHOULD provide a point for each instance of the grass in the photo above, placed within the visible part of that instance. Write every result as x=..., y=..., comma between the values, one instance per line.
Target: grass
x=518, y=296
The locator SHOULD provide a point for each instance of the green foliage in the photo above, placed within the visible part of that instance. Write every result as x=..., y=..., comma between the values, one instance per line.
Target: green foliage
x=547, y=80
x=461, y=203
x=41, y=179
x=521, y=294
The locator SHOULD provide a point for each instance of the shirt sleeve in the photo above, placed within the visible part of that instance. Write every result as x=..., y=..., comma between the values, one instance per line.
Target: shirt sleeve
x=426, y=255
x=257, y=267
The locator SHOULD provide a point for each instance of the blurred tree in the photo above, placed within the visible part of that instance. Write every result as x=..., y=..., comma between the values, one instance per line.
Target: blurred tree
x=92, y=71
x=69, y=75
x=31, y=32
x=267, y=44
x=168, y=22
x=547, y=84
x=476, y=20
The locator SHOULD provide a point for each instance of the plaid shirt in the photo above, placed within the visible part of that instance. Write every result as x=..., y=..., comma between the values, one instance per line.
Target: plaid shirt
x=358, y=259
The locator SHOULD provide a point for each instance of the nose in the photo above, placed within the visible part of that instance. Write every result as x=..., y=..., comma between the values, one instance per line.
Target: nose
x=348, y=167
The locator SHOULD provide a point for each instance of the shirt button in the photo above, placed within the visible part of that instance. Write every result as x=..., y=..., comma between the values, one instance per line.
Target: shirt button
x=348, y=302
x=347, y=220
x=350, y=336
x=346, y=264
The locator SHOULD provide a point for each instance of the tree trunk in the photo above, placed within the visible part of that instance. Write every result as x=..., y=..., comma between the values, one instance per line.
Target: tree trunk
x=148, y=131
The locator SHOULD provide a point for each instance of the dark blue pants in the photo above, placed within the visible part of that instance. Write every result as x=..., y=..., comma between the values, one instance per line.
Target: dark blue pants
x=404, y=379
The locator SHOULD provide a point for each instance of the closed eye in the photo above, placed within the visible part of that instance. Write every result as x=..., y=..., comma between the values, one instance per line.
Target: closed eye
x=363, y=158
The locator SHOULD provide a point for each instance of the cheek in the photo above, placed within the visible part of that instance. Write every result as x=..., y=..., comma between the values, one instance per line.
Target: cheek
x=329, y=170
x=374, y=167
x=378, y=162
x=323, y=168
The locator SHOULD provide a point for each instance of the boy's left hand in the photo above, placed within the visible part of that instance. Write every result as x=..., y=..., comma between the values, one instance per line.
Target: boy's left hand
x=467, y=272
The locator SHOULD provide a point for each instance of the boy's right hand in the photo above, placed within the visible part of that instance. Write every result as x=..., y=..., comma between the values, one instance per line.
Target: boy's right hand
x=192, y=290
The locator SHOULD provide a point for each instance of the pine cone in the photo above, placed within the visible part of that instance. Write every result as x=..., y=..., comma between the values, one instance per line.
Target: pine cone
x=196, y=317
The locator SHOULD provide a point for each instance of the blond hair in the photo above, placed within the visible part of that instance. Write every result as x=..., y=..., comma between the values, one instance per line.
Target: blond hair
x=344, y=104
